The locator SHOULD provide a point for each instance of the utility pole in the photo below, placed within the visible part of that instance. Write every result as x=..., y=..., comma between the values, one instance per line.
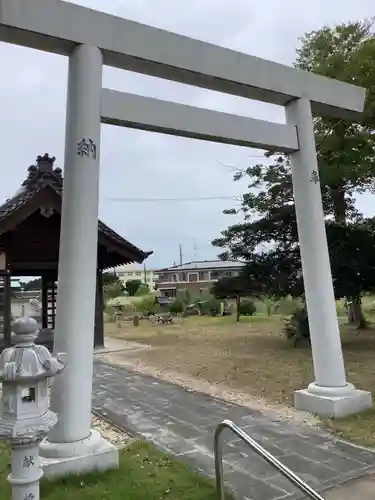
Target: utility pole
x=145, y=274
x=180, y=247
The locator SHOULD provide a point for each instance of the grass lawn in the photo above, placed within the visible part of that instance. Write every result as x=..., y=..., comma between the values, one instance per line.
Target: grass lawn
x=144, y=474
x=254, y=358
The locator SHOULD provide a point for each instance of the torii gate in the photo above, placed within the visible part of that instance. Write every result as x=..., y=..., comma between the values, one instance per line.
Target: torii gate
x=92, y=39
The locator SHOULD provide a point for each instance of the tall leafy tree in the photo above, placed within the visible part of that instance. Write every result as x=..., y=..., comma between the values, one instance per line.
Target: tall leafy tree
x=132, y=287
x=346, y=151
x=109, y=278
x=346, y=157
x=35, y=284
x=247, y=284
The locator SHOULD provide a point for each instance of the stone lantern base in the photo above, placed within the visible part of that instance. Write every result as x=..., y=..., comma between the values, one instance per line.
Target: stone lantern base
x=93, y=453
x=332, y=402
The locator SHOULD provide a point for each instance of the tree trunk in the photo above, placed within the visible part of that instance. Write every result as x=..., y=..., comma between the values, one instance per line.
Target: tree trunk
x=238, y=303
x=350, y=309
x=339, y=204
x=355, y=313
x=359, y=317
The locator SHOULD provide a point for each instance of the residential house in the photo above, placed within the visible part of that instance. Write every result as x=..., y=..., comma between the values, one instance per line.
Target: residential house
x=134, y=272
x=196, y=277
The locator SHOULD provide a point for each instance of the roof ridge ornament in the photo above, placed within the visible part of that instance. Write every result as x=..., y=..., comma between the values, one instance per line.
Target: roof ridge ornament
x=45, y=163
x=43, y=170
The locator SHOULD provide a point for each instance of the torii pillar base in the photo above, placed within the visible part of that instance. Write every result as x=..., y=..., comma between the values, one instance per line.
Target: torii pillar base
x=334, y=402
x=91, y=454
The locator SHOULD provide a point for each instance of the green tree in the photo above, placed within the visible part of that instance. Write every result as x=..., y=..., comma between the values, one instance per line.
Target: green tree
x=346, y=150
x=132, y=287
x=35, y=284
x=346, y=155
x=277, y=270
x=142, y=290
x=176, y=306
x=244, y=285
x=113, y=290
x=230, y=288
x=147, y=305
x=109, y=278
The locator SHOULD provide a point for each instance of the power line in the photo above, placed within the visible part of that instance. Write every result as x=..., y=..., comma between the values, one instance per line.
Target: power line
x=233, y=168
x=171, y=200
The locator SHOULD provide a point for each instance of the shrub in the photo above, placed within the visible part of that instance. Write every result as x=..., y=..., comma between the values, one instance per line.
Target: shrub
x=142, y=290
x=109, y=314
x=211, y=307
x=147, y=304
x=176, y=307
x=113, y=290
x=288, y=306
x=296, y=326
x=247, y=308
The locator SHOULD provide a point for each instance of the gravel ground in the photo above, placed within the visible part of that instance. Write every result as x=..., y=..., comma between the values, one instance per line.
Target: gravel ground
x=110, y=433
x=220, y=391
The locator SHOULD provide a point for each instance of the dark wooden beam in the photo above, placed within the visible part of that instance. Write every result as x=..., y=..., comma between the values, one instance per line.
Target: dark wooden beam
x=33, y=273
x=33, y=266
x=44, y=302
x=7, y=310
x=99, y=311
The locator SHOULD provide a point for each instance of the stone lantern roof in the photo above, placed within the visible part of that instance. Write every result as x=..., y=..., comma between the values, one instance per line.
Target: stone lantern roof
x=26, y=361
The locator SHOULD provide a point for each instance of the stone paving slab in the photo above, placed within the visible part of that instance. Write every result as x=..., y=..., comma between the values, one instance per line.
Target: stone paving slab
x=183, y=422
x=360, y=489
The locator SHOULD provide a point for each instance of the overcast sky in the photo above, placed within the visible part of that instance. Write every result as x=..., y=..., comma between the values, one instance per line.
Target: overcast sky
x=142, y=164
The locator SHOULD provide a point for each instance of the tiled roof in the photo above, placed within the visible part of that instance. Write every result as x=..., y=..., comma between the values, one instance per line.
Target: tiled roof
x=205, y=264
x=42, y=176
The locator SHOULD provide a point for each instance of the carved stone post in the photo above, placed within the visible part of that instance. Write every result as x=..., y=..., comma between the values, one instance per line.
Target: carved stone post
x=25, y=418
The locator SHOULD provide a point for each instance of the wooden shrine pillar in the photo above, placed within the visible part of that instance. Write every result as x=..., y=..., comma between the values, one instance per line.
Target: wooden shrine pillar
x=5, y=301
x=99, y=311
x=5, y=308
x=44, y=302
x=49, y=294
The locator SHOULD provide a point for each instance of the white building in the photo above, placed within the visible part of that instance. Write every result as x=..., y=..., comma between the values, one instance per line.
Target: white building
x=136, y=272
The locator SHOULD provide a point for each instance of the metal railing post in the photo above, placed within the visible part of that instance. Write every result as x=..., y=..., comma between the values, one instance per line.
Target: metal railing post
x=259, y=450
x=219, y=473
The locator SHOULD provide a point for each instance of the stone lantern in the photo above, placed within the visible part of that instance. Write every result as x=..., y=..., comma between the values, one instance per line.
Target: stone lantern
x=25, y=418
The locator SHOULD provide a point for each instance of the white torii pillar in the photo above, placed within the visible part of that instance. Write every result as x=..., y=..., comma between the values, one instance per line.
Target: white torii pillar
x=76, y=446
x=330, y=394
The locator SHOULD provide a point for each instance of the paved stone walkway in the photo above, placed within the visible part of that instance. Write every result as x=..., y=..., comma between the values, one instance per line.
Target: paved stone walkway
x=183, y=422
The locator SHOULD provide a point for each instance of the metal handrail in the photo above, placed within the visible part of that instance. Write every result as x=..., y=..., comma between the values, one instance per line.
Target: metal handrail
x=268, y=457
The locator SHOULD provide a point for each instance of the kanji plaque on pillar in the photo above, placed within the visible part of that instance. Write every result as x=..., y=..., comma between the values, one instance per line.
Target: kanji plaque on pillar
x=314, y=177
x=86, y=147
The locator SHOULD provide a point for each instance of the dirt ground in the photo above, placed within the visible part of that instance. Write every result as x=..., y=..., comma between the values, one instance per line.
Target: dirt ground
x=219, y=357
x=250, y=363
x=252, y=356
